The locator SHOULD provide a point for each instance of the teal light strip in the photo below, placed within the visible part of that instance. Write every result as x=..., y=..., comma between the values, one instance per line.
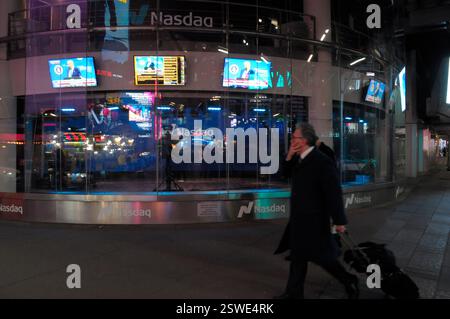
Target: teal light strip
x=258, y=193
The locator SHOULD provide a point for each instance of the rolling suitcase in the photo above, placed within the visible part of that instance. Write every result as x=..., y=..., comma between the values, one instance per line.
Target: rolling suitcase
x=394, y=282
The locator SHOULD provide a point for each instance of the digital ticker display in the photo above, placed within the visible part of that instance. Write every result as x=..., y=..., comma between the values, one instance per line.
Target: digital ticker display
x=159, y=70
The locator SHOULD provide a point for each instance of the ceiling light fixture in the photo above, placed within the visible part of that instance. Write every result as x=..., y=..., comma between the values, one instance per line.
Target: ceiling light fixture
x=357, y=61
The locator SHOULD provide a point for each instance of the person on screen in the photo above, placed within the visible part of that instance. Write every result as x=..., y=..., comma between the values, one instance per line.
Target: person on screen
x=72, y=71
x=247, y=72
x=372, y=89
x=376, y=92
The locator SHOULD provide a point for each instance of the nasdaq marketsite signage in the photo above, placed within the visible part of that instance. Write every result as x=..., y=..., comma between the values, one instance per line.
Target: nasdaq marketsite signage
x=147, y=15
x=12, y=208
x=73, y=14
x=186, y=20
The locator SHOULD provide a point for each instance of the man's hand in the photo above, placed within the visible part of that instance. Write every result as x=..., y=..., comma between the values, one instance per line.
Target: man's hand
x=340, y=229
x=294, y=149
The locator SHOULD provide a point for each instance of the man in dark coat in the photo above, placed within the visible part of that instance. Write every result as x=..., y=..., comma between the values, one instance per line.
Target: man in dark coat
x=316, y=197
x=324, y=148
x=328, y=151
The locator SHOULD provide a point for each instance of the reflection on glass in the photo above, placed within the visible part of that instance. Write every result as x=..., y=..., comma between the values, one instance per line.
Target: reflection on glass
x=81, y=139
x=362, y=143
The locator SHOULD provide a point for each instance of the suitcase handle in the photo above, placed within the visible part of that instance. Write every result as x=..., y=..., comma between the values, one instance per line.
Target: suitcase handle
x=350, y=243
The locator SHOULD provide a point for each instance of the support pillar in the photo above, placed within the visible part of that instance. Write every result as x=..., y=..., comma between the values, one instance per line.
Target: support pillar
x=321, y=101
x=412, y=137
x=8, y=106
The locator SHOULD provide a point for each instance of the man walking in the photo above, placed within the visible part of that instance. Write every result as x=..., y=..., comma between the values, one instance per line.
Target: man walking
x=316, y=197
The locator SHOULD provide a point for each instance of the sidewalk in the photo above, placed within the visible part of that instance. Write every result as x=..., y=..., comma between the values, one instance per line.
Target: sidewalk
x=218, y=260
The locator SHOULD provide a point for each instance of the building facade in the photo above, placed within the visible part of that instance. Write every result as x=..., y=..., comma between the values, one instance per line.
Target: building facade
x=94, y=91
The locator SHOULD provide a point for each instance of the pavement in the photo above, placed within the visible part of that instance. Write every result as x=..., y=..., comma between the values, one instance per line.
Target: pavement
x=230, y=261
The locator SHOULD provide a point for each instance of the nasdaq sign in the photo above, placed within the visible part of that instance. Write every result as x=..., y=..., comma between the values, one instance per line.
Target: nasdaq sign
x=165, y=19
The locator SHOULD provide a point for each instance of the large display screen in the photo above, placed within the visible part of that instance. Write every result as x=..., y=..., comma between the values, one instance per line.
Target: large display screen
x=402, y=84
x=448, y=83
x=375, y=92
x=72, y=73
x=246, y=74
x=159, y=70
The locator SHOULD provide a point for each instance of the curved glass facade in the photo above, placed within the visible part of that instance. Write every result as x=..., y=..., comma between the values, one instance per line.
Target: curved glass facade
x=97, y=88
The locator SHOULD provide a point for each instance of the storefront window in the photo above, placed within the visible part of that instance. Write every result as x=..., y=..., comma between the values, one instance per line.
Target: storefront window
x=100, y=105
x=362, y=142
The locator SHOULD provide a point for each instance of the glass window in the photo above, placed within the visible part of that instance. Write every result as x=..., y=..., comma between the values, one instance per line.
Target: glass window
x=118, y=134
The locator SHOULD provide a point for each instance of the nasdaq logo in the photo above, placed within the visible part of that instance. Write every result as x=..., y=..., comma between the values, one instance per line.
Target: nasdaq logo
x=165, y=19
x=11, y=209
x=245, y=210
x=356, y=200
x=261, y=209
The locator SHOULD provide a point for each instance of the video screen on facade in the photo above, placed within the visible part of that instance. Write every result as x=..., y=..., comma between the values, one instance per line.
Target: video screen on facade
x=448, y=83
x=72, y=73
x=402, y=84
x=246, y=74
x=124, y=112
x=375, y=92
x=139, y=105
x=159, y=70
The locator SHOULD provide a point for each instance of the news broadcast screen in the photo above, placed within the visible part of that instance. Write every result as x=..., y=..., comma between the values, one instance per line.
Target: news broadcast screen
x=246, y=74
x=375, y=92
x=72, y=73
x=159, y=70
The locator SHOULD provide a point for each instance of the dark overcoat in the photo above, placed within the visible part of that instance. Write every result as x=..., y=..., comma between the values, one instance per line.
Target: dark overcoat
x=328, y=151
x=316, y=197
